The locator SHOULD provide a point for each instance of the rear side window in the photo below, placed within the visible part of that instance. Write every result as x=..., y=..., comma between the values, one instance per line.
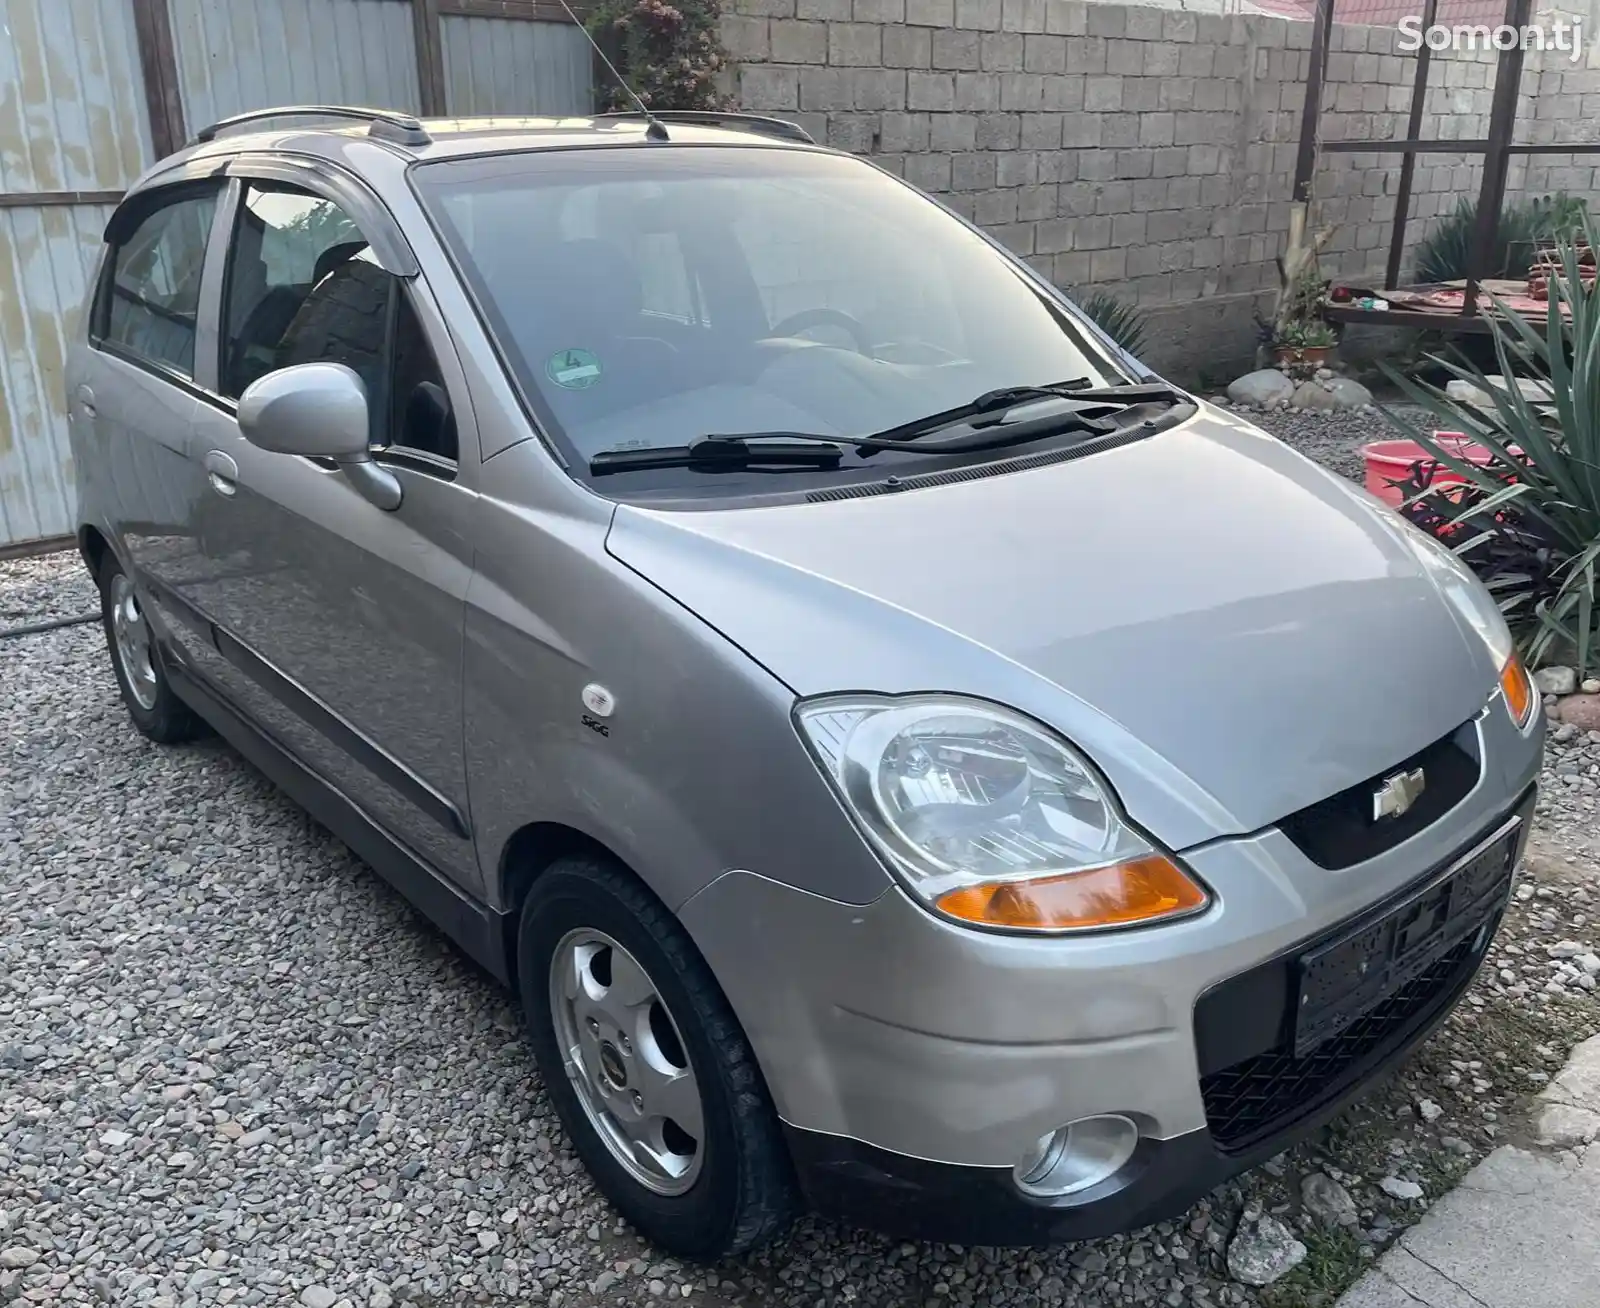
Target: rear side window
x=152, y=294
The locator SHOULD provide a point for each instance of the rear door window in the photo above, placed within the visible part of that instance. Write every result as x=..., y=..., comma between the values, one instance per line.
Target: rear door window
x=151, y=297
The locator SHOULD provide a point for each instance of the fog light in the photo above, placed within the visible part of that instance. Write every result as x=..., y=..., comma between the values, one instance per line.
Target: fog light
x=1077, y=1156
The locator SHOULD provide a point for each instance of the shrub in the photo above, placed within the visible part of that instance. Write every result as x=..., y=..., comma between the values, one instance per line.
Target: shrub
x=1442, y=254
x=1528, y=522
x=670, y=54
x=1124, y=323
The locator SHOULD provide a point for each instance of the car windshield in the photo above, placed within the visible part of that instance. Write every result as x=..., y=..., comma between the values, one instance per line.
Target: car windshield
x=645, y=297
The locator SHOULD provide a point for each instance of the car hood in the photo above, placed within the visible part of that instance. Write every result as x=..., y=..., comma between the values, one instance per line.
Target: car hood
x=1229, y=631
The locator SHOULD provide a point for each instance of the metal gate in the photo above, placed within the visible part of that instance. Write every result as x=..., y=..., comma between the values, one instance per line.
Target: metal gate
x=91, y=91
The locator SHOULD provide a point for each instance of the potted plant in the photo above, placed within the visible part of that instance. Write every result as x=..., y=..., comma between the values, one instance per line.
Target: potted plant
x=1304, y=343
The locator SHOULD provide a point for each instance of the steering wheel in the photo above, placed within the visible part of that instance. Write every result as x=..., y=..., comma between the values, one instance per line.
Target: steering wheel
x=806, y=319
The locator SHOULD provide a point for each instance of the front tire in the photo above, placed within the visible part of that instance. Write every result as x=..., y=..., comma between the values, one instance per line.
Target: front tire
x=154, y=707
x=647, y=1066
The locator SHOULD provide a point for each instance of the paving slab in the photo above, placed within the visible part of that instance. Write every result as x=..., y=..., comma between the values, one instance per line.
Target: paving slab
x=1522, y=1230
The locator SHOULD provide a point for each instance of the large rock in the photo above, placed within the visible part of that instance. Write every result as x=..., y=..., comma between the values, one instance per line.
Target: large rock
x=1328, y=1201
x=1313, y=395
x=1580, y=711
x=1349, y=394
x=1263, y=388
x=1556, y=680
x=1263, y=1250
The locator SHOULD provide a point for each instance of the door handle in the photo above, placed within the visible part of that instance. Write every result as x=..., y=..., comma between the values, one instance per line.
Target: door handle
x=222, y=472
x=86, y=400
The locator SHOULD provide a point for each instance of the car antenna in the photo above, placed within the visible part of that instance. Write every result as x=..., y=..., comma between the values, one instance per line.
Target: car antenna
x=657, y=130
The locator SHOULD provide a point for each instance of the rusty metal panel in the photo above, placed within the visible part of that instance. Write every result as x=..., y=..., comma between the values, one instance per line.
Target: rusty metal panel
x=515, y=66
x=46, y=253
x=235, y=55
x=71, y=102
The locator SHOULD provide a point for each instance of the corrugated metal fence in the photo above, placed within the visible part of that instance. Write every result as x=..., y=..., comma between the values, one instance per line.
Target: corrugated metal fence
x=91, y=91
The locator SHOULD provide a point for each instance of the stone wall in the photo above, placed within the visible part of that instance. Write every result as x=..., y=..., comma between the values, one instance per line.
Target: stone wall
x=1149, y=151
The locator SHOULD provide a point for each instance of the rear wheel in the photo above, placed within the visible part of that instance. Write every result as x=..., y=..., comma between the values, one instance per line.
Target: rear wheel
x=135, y=659
x=647, y=1066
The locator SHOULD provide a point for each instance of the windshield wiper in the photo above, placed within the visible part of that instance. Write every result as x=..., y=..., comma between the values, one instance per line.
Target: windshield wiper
x=787, y=449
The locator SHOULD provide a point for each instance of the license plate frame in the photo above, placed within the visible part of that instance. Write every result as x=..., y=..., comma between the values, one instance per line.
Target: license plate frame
x=1342, y=979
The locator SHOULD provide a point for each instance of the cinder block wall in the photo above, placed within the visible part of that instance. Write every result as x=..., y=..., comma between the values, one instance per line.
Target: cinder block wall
x=1148, y=151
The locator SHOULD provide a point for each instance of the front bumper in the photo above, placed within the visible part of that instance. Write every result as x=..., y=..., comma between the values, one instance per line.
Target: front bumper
x=916, y=1062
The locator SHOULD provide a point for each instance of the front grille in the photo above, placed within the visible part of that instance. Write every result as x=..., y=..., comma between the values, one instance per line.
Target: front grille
x=1340, y=831
x=1263, y=1095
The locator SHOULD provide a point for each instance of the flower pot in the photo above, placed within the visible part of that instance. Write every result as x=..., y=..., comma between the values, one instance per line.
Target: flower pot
x=1304, y=356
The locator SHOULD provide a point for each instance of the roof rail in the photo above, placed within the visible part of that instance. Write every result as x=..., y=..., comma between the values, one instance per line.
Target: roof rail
x=778, y=127
x=386, y=124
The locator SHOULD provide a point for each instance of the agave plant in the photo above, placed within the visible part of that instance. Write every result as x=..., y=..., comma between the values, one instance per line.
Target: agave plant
x=1442, y=255
x=1528, y=520
x=1122, y=322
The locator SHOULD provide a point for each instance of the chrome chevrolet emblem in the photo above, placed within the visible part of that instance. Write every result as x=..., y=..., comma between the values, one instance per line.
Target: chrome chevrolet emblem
x=1398, y=793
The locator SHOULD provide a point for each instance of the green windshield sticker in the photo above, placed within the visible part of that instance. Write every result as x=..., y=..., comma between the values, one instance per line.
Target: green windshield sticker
x=577, y=370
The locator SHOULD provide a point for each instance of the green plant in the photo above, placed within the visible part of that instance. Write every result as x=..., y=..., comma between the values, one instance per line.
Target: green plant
x=1528, y=520
x=669, y=54
x=1442, y=255
x=1122, y=322
x=1307, y=334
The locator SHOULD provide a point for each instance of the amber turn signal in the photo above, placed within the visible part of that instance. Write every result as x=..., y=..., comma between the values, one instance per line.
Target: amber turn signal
x=1517, y=687
x=1143, y=890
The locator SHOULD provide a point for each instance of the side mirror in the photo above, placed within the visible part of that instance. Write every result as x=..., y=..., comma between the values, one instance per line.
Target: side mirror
x=318, y=410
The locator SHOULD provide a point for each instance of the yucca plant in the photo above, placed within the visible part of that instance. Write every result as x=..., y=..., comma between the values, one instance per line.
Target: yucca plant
x=1442, y=255
x=1122, y=322
x=1528, y=521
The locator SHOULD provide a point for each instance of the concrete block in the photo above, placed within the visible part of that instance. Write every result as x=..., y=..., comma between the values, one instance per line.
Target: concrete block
x=1128, y=229
x=890, y=163
x=1174, y=92
x=1144, y=23
x=855, y=45
x=1229, y=61
x=823, y=9
x=1098, y=165
x=1183, y=192
x=907, y=47
x=1208, y=252
x=931, y=13
x=1078, y=199
x=991, y=208
x=1044, y=54
x=932, y=91
x=1001, y=52
x=745, y=38
x=1041, y=131
x=764, y=87
x=1071, y=269
x=972, y=171
x=1156, y=129
x=1000, y=131
x=1162, y=60
x=1195, y=128
x=1086, y=54
x=1091, y=233
x=960, y=204
x=904, y=133
x=1179, y=27
x=1102, y=93
x=1135, y=164
x=952, y=132
x=767, y=8
x=1036, y=202
x=878, y=11
x=1061, y=165
x=1119, y=131
x=857, y=133
x=1064, y=92
x=827, y=88
x=1203, y=160
x=796, y=42
x=983, y=15
x=1149, y=193
x=1017, y=168
x=1125, y=57
x=1212, y=95
x=1081, y=131
x=978, y=91
x=1022, y=15
x=1066, y=17
x=1023, y=92
x=929, y=171
x=1108, y=265
x=1108, y=20
x=1114, y=198
x=1016, y=237
x=879, y=88
x=955, y=48
x=1053, y=235
x=1171, y=161
x=1144, y=261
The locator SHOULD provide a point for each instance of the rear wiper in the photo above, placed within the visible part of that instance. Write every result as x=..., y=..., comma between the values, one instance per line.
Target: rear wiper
x=788, y=449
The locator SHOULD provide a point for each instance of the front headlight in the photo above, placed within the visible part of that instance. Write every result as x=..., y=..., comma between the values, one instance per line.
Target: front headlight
x=1478, y=610
x=989, y=817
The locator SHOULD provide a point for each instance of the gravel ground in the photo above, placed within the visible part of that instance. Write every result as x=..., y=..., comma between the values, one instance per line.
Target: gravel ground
x=236, y=1068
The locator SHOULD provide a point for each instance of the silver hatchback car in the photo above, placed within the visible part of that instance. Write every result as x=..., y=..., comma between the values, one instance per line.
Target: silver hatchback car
x=909, y=759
